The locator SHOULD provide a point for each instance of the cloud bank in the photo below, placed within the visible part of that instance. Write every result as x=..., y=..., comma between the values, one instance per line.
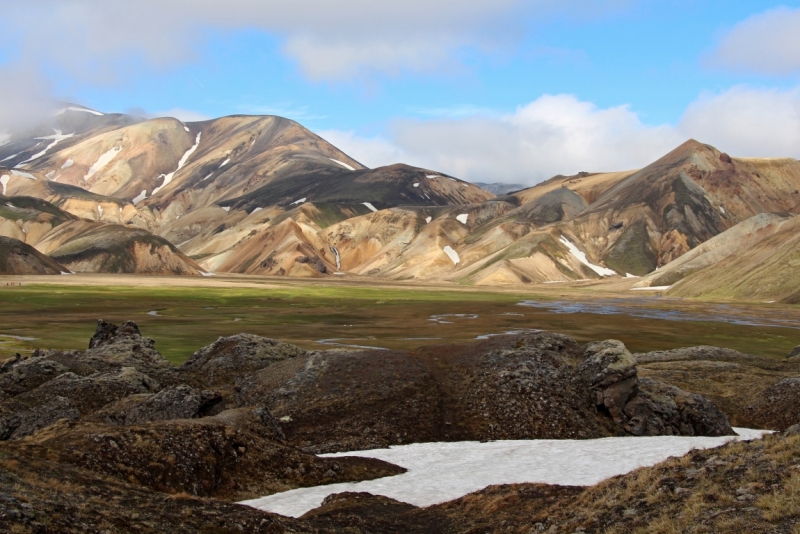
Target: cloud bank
x=767, y=43
x=560, y=134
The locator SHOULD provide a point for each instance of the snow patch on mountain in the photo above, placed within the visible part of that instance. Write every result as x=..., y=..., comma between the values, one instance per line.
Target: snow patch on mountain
x=452, y=254
x=462, y=218
x=102, y=161
x=370, y=206
x=181, y=163
x=343, y=164
x=581, y=256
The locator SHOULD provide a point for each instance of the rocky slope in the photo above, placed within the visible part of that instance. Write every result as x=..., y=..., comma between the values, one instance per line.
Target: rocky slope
x=115, y=437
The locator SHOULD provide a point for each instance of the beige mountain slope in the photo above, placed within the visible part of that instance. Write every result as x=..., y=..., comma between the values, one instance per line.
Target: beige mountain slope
x=765, y=270
x=263, y=195
x=28, y=219
x=17, y=257
x=743, y=236
x=85, y=246
x=75, y=200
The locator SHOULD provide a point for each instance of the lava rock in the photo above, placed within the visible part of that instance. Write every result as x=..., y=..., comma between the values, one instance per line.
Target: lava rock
x=178, y=402
x=26, y=422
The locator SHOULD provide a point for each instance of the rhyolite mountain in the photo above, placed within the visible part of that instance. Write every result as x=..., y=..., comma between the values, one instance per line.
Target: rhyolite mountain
x=264, y=195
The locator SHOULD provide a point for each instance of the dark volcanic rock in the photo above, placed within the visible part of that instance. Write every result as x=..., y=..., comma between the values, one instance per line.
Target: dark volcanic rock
x=26, y=422
x=112, y=348
x=795, y=353
x=778, y=407
x=646, y=407
x=87, y=393
x=178, y=402
x=23, y=374
x=610, y=371
x=199, y=456
x=659, y=409
x=540, y=385
x=218, y=364
x=314, y=262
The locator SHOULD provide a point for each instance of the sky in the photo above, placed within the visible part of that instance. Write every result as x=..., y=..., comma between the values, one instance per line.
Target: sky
x=511, y=91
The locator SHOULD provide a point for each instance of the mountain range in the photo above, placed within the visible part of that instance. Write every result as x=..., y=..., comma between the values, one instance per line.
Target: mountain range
x=94, y=192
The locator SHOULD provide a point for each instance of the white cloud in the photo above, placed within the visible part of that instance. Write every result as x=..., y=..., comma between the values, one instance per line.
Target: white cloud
x=99, y=39
x=184, y=115
x=372, y=152
x=24, y=101
x=552, y=135
x=747, y=122
x=560, y=134
x=767, y=43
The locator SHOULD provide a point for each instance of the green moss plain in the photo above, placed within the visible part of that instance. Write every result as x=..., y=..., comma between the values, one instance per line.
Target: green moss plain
x=187, y=318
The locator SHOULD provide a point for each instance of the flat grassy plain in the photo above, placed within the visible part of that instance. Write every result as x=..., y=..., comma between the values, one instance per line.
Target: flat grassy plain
x=184, y=314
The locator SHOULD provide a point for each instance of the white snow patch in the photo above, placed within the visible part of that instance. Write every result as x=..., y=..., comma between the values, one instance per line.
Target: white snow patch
x=629, y=275
x=722, y=210
x=224, y=163
x=370, y=206
x=416, y=184
x=207, y=177
x=428, y=219
x=432, y=176
x=651, y=288
x=181, y=163
x=602, y=271
x=141, y=196
x=343, y=164
x=84, y=110
x=186, y=128
x=100, y=210
x=64, y=272
x=4, y=180
x=299, y=201
x=23, y=174
x=102, y=161
x=256, y=210
x=154, y=313
x=49, y=175
x=452, y=179
x=67, y=164
x=226, y=208
x=452, y=254
x=12, y=156
x=55, y=138
x=441, y=472
x=206, y=274
x=462, y=218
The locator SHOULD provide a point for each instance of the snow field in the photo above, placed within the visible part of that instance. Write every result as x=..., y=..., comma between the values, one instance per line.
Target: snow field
x=440, y=472
x=370, y=206
x=102, y=161
x=462, y=218
x=181, y=163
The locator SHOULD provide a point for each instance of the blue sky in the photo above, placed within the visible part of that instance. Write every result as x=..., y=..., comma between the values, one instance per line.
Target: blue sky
x=494, y=91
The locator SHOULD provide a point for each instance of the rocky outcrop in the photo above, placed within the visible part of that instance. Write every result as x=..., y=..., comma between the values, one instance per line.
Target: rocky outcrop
x=114, y=347
x=87, y=393
x=179, y=402
x=538, y=385
x=646, y=407
x=795, y=354
x=26, y=422
x=777, y=406
x=218, y=364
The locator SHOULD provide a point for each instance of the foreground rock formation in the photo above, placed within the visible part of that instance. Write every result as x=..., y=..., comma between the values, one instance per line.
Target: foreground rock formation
x=115, y=437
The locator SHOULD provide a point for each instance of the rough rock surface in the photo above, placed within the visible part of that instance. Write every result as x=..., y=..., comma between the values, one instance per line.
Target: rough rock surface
x=538, y=385
x=26, y=422
x=795, y=353
x=178, y=402
x=20, y=375
x=218, y=364
x=112, y=348
x=87, y=393
x=778, y=407
x=732, y=380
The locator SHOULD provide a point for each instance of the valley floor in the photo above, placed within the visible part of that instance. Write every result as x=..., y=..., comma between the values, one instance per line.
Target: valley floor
x=183, y=313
